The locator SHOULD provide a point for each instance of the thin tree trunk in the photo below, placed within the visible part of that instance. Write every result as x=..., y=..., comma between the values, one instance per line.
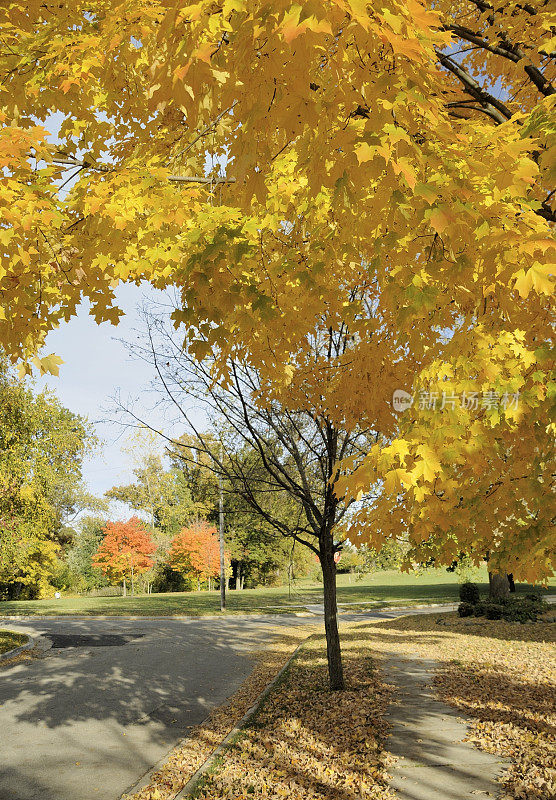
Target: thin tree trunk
x=125, y=589
x=333, y=651
x=132, y=581
x=511, y=582
x=499, y=587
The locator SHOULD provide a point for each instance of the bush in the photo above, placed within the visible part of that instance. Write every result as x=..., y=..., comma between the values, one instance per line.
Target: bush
x=511, y=609
x=466, y=609
x=524, y=609
x=167, y=580
x=493, y=610
x=535, y=598
x=469, y=593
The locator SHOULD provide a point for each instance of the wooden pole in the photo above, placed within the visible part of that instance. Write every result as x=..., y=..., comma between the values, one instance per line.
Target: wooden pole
x=221, y=538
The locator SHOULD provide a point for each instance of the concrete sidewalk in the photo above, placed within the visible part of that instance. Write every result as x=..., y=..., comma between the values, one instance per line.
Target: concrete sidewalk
x=427, y=736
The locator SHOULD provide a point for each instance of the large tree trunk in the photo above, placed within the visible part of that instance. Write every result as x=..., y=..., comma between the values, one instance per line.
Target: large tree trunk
x=499, y=587
x=333, y=652
x=511, y=582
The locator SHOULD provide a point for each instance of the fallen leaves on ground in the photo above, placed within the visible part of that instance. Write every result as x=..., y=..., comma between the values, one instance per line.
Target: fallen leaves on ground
x=309, y=743
x=501, y=676
x=184, y=760
x=9, y=640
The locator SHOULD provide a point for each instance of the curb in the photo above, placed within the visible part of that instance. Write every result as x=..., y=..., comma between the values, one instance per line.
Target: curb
x=138, y=617
x=184, y=791
x=17, y=650
x=191, y=784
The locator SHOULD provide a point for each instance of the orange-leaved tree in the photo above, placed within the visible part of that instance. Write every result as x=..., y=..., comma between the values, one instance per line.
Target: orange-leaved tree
x=125, y=552
x=196, y=550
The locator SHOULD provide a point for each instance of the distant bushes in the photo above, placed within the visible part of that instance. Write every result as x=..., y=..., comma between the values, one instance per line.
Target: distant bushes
x=469, y=593
x=511, y=609
x=466, y=609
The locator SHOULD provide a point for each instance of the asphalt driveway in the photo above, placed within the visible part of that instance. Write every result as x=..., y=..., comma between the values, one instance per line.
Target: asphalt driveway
x=111, y=697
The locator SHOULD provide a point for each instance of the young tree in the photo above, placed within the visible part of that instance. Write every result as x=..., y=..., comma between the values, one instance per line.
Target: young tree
x=196, y=550
x=266, y=451
x=125, y=552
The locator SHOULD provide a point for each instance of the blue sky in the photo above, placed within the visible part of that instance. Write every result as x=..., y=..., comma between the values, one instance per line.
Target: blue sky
x=96, y=367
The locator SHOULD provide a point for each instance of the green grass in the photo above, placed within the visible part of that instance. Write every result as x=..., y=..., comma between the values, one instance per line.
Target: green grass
x=9, y=640
x=381, y=589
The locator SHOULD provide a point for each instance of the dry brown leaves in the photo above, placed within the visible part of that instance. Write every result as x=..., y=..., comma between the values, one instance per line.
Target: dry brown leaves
x=308, y=742
x=502, y=676
x=313, y=744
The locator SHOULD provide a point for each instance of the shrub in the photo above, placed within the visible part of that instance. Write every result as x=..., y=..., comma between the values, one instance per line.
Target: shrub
x=479, y=610
x=524, y=609
x=493, y=610
x=469, y=593
x=533, y=597
x=466, y=609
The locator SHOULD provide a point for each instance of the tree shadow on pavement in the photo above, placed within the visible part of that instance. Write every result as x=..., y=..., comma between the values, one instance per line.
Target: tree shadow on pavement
x=107, y=701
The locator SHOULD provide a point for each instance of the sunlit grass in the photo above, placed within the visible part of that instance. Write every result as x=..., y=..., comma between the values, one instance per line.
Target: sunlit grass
x=373, y=591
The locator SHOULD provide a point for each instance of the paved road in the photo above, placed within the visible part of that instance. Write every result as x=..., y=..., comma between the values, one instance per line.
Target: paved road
x=112, y=696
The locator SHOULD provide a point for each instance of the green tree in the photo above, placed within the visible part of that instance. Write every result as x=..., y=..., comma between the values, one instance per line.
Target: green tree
x=161, y=495
x=80, y=556
x=42, y=445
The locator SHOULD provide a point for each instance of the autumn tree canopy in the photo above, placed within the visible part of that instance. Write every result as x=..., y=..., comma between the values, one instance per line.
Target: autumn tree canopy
x=363, y=167
x=42, y=447
x=125, y=551
x=196, y=550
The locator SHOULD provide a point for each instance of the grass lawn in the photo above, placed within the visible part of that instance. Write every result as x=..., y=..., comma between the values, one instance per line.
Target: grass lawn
x=377, y=590
x=9, y=640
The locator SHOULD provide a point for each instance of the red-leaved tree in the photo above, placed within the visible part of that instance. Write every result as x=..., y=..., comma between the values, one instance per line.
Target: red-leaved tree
x=125, y=552
x=196, y=550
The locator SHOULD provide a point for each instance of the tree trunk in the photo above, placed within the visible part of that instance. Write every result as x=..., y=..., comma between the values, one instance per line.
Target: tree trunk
x=132, y=581
x=125, y=589
x=499, y=588
x=333, y=652
x=511, y=582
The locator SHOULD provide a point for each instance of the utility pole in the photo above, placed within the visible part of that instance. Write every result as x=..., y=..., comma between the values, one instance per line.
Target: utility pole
x=221, y=537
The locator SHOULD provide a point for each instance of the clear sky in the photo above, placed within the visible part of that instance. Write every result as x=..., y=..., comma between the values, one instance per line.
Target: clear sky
x=96, y=367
